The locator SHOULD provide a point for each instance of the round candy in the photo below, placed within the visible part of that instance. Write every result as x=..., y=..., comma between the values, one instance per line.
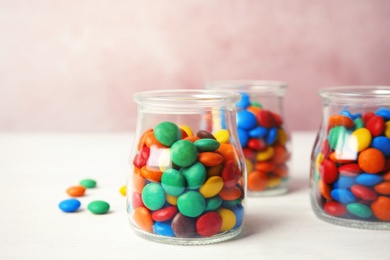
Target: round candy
x=271, y=137
x=381, y=208
x=363, y=193
x=191, y=204
x=163, y=229
x=243, y=136
x=209, y=224
x=246, y=120
x=88, y=183
x=265, y=118
x=213, y=203
x=143, y=219
x=183, y=153
x=335, y=209
x=244, y=101
x=337, y=137
x=383, y=112
x=69, y=205
x=328, y=171
x=368, y=179
x=360, y=210
x=343, y=196
x=153, y=196
x=211, y=187
x=222, y=136
x=122, y=190
x=371, y=160
x=167, y=133
x=258, y=132
x=360, y=139
x=173, y=182
x=382, y=143
x=76, y=191
x=183, y=226
x=98, y=207
x=228, y=219
x=164, y=214
x=204, y=134
x=194, y=175
x=206, y=145
x=375, y=125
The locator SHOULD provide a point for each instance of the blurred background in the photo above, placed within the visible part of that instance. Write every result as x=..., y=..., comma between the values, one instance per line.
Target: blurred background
x=72, y=66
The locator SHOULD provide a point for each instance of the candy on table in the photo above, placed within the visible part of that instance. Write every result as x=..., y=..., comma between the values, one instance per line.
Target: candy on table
x=353, y=166
x=69, y=205
x=88, y=183
x=98, y=207
x=263, y=140
x=184, y=184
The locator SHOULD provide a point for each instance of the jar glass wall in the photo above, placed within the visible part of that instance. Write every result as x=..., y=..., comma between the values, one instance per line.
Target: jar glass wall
x=187, y=171
x=350, y=164
x=263, y=134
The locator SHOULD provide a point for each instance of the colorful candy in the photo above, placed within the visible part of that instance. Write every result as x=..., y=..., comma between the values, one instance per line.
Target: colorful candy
x=352, y=166
x=186, y=185
x=69, y=205
x=263, y=140
x=98, y=207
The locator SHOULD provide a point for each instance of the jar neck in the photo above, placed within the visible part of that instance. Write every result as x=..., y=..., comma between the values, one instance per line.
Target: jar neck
x=251, y=87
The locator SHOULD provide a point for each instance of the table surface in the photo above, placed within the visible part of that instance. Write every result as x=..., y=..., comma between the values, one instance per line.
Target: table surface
x=36, y=170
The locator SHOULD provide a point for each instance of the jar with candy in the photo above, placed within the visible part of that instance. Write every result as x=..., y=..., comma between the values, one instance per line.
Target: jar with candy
x=263, y=134
x=186, y=183
x=350, y=164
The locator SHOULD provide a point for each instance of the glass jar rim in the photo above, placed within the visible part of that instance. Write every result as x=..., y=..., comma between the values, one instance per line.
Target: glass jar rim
x=179, y=98
x=343, y=92
x=251, y=86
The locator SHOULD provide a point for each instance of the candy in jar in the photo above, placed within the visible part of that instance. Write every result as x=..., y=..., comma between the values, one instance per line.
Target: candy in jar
x=186, y=182
x=262, y=132
x=350, y=165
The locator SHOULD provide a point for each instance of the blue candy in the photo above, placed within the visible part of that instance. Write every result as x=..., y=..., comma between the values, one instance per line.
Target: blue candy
x=344, y=182
x=383, y=112
x=258, y=132
x=69, y=205
x=244, y=102
x=242, y=136
x=239, y=213
x=382, y=143
x=367, y=179
x=343, y=196
x=163, y=229
x=246, y=120
x=271, y=137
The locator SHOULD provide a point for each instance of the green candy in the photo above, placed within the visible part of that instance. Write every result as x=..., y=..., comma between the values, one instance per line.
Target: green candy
x=167, y=133
x=359, y=210
x=173, y=182
x=213, y=203
x=256, y=104
x=153, y=196
x=88, y=183
x=337, y=137
x=183, y=153
x=195, y=175
x=98, y=207
x=358, y=123
x=191, y=204
x=206, y=145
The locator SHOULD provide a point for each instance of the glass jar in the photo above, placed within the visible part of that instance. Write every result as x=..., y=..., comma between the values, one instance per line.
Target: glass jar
x=186, y=184
x=350, y=161
x=262, y=133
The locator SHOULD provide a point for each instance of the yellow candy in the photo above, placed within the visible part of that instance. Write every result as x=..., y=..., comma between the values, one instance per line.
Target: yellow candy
x=222, y=136
x=266, y=154
x=228, y=219
x=171, y=199
x=319, y=159
x=164, y=161
x=360, y=139
x=273, y=182
x=187, y=129
x=211, y=187
x=281, y=138
x=387, y=129
x=122, y=190
x=249, y=165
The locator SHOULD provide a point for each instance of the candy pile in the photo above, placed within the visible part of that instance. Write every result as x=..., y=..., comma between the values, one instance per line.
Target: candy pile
x=263, y=140
x=72, y=205
x=353, y=166
x=186, y=185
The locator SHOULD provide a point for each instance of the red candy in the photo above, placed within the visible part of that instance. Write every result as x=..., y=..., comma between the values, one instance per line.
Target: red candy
x=141, y=158
x=335, y=209
x=350, y=170
x=257, y=144
x=231, y=173
x=375, y=125
x=164, y=214
x=328, y=171
x=209, y=224
x=137, y=200
x=363, y=192
x=265, y=118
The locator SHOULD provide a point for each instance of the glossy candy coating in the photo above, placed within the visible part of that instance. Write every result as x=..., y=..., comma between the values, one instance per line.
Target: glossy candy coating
x=69, y=205
x=98, y=207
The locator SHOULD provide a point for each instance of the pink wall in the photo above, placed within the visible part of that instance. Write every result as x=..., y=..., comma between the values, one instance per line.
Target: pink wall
x=74, y=65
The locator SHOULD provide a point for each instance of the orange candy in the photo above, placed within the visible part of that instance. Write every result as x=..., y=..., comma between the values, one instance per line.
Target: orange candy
x=138, y=180
x=324, y=189
x=281, y=170
x=371, y=160
x=265, y=166
x=340, y=157
x=214, y=170
x=257, y=180
x=210, y=158
x=383, y=188
x=143, y=219
x=381, y=208
x=142, y=139
x=227, y=151
x=151, y=174
x=192, y=139
x=340, y=120
x=386, y=176
x=230, y=193
x=150, y=140
x=280, y=154
x=76, y=191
